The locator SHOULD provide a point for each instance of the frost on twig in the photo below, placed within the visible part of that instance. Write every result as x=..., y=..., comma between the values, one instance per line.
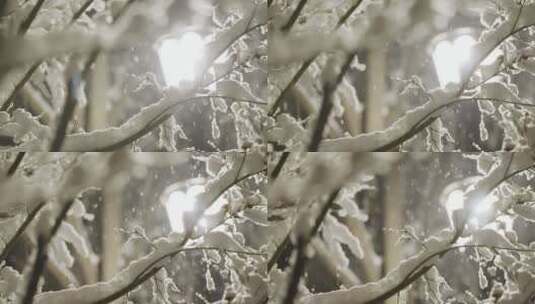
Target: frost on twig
x=434, y=247
x=164, y=249
x=37, y=59
x=220, y=242
x=516, y=18
x=371, y=291
x=439, y=98
x=100, y=140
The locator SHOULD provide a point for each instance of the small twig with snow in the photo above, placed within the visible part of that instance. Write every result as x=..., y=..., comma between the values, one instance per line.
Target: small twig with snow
x=9, y=246
x=304, y=67
x=25, y=25
x=293, y=18
x=327, y=104
x=41, y=258
x=66, y=115
x=16, y=163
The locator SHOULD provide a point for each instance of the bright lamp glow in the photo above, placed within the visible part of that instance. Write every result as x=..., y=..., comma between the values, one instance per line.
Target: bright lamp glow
x=463, y=47
x=480, y=212
x=182, y=198
x=181, y=57
x=483, y=210
x=455, y=200
x=180, y=202
x=450, y=56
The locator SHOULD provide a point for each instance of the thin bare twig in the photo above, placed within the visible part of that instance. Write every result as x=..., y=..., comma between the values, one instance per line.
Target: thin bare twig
x=16, y=164
x=327, y=104
x=25, y=25
x=307, y=63
x=41, y=258
x=278, y=168
x=294, y=16
x=66, y=115
x=348, y=14
x=31, y=216
x=81, y=10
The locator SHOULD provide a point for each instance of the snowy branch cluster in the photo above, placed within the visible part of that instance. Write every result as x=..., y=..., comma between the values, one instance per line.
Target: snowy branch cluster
x=66, y=46
x=277, y=172
x=298, y=195
x=297, y=60
x=343, y=79
x=31, y=209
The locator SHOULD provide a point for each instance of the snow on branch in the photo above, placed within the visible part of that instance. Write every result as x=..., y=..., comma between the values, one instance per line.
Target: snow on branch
x=164, y=249
x=368, y=292
x=411, y=268
x=137, y=126
x=520, y=18
x=92, y=170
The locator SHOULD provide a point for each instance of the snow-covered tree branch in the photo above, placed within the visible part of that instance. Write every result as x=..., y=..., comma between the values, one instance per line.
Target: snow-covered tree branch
x=267, y=151
x=484, y=203
x=66, y=47
x=209, y=230
x=299, y=64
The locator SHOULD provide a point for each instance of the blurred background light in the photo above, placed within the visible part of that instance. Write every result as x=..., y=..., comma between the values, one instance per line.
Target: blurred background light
x=450, y=54
x=484, y=210
x=182, y=198
x=179, y=202
x=455, y=200
x=180, y=57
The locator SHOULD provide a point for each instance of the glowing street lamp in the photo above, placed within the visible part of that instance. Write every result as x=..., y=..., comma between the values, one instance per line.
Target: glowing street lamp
x=484, y=210
x=180, y=57
x=181, y=199
x=455, y=200
x=450, y=53
x=480, y=212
